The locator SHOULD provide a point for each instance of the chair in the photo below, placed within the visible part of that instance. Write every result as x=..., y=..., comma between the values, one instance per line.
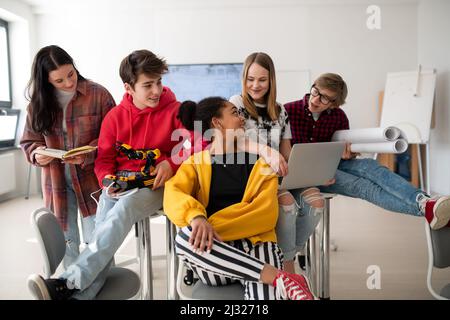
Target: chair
x=144, y=254
x=438, y=257
x=121, y=283
x=176, y=269
x=144, y=257
x=318, y=259
x=319, y=277
x=201, y=291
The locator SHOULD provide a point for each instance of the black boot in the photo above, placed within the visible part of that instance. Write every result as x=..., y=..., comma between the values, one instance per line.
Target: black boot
x=49, y=289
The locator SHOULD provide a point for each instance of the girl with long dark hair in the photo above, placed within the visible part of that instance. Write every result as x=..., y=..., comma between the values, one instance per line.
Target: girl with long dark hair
x=65, y=111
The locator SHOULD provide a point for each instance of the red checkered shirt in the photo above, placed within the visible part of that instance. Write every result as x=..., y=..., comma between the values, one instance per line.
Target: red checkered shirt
x=84, y=115
x=305, y=129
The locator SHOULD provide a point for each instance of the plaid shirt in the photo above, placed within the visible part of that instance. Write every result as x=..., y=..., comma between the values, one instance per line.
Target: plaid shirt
x=305, y=129
x=84, y=115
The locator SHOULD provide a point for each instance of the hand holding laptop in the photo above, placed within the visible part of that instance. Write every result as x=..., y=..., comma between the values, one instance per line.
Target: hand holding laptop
x=348, y=154
x=275, y=160
x=329, y=182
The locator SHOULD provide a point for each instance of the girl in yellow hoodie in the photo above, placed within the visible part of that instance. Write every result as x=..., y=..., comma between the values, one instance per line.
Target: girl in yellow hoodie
x=225, y=203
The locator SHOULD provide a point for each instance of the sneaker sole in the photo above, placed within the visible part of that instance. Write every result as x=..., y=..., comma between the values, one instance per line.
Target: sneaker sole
x=309, y=286
x=37, y=287
x=442, y=214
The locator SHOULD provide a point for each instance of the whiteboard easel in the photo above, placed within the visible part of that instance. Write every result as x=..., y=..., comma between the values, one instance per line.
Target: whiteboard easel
x=408, y=105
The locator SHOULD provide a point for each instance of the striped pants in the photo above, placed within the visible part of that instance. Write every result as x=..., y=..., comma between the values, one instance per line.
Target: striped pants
x=232, y=261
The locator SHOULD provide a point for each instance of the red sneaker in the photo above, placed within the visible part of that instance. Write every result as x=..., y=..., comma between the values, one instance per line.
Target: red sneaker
x=292, y=286
x=437, y=212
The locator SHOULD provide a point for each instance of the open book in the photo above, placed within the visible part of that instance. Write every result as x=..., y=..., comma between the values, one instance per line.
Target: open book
x=63, y=154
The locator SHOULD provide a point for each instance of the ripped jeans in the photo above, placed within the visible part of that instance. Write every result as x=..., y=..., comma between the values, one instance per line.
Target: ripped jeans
x=296, y=224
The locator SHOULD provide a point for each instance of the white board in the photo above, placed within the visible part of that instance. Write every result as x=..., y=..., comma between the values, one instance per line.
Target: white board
x=408, y=103
x=292, y=85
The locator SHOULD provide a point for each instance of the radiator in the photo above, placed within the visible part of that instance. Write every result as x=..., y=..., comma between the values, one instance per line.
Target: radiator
x=7, y=173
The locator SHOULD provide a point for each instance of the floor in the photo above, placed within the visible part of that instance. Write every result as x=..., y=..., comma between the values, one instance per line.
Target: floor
x=370, y=241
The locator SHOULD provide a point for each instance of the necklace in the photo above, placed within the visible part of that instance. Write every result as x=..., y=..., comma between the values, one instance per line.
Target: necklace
x=216, y=160
x=224, y=159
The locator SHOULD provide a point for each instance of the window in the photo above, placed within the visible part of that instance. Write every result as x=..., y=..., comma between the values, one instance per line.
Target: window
x=5, y=70
x=9, y=119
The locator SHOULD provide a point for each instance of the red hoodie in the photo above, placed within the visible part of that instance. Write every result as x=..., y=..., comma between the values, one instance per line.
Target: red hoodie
x=149, y=128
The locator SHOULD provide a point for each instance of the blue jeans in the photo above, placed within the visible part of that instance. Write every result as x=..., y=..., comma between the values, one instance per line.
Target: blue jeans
x=114, y=220
x=358, y=178
x=72, y=234
x=293, y=230
x=368, y=180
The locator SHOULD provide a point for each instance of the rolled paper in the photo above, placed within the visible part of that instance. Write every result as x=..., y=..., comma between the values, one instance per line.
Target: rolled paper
x=367, y=135
x=397, y=146
x=374, y=140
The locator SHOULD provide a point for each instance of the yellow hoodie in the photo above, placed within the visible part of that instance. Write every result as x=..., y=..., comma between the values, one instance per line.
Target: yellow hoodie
x=186, y=196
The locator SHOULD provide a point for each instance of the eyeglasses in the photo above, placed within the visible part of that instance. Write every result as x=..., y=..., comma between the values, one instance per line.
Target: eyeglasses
x=323, y=98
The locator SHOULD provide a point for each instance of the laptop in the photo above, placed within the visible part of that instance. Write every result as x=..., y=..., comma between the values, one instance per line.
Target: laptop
x=312, y=164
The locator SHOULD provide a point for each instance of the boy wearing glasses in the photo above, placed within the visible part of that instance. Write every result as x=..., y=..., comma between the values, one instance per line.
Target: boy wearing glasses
x=314, y=119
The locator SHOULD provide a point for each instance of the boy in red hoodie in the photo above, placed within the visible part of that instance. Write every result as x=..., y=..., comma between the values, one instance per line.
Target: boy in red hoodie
x=145, y=119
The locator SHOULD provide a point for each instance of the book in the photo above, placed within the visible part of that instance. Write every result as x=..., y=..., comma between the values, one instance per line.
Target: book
x=64, y=154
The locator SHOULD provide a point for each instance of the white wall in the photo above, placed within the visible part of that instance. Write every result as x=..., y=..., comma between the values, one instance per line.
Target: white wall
x=434, y=51
x=97, y=34
x=316, y=35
